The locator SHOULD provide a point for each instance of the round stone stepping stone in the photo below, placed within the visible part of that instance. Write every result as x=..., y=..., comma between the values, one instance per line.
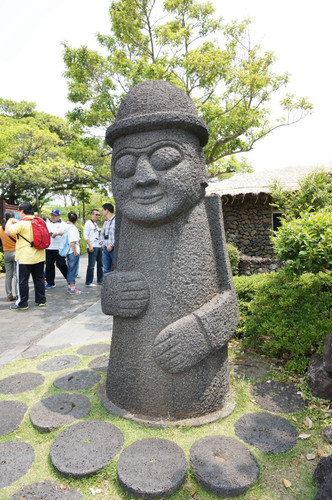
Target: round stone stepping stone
x=266, y=432
x=59, y=363
x=223, y=466
x=81, y=379
x=46, y=491
x=100, y=364
x=325, y=492
x=323, y=470
x=246, y=367
x=93, y=349
x=327, y=433
x=84, y=448
x=16, y=459
x=152, y=468
x=21, y=382
x=277, y=397
x=58, y=410
x=11, y=415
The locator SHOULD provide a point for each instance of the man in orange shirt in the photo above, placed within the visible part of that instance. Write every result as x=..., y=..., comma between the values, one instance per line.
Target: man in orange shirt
x=8, y=245
x=29, y=260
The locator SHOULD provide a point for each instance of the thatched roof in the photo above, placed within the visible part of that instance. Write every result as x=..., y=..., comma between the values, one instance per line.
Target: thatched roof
x=259, y=182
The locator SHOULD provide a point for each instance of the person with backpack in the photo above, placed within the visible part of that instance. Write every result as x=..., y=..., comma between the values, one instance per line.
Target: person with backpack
x=73, y=256
x=8, y=245
x=56, y=229
x=32, y=239
x=107, y=236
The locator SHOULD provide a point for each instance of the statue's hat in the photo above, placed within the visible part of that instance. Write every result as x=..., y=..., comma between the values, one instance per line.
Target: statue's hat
x=156, y=105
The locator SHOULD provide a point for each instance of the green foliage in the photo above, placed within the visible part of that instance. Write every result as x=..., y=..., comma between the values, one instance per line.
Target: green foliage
x=41, y=155
x=230, y=80
x=226, y=167
x=314, y=193
x=290, y=316
x=2, y=264
x=305, y=244
x=83, y=243
x=245, y=287
x=234, y=258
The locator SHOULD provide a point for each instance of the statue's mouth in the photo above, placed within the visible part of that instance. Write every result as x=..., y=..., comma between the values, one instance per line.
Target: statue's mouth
x=147, y=199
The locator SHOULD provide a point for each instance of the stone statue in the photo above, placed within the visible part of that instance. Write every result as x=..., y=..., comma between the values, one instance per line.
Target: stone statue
x=171, y=292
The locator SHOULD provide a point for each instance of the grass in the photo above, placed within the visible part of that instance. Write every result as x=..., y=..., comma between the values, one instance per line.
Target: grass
x=292, y=465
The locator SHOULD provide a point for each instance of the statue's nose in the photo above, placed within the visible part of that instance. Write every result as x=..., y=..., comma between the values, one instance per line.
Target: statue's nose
x=144, y=172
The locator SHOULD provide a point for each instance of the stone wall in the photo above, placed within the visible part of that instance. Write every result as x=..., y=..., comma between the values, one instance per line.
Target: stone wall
x=248, y=224
x=252, y=265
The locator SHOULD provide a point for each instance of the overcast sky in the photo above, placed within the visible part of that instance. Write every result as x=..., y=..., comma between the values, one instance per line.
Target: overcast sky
x=298, y=31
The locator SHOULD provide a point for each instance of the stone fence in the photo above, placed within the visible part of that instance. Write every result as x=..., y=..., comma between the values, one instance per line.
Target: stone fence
x=252, y=265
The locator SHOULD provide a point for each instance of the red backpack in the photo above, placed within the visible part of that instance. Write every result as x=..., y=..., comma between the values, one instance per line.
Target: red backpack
x=40, y=234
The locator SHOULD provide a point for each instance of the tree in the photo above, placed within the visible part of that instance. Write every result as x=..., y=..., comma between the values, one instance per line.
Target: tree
x=231, y=85
x=37, y=155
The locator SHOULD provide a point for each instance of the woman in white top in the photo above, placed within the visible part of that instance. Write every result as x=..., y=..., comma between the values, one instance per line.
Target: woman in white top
x=74, y=253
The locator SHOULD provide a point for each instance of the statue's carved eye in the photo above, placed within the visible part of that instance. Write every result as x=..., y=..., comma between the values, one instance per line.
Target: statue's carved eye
x=125, y=166
x=165, y=157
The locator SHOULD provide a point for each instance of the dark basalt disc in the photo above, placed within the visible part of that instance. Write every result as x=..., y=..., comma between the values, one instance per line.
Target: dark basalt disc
x=93, y=349
x=59, y=363
x=58, y=410
x=11, y=415
x=16, y=459
x=46, y=491
x=223, y=466
x=100, y=364
x=81, y=379
x=268, y=433
x=84, y=448
x=248, y=367
x=277, y=397
x=21, y=382
x=152, y=468
x=323, y=471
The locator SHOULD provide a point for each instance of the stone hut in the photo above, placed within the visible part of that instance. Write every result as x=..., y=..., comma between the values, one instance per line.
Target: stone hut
x=249, y=218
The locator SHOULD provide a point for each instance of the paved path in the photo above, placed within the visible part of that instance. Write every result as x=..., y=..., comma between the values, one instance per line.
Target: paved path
x=66, y=320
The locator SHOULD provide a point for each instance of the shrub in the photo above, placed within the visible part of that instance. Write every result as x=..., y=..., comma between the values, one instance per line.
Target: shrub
x=234, y=258
x=245, y=287
x=305, y=243
x=290, y=316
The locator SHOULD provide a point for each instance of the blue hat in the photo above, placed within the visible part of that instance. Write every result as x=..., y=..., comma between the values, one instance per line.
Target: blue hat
x=56, y=212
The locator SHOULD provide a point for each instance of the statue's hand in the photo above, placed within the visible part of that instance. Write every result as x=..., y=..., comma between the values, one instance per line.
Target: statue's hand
x=181, y=345
x=124, y=294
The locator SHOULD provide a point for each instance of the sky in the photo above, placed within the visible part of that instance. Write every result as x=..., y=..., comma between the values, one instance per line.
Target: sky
x=297, y=31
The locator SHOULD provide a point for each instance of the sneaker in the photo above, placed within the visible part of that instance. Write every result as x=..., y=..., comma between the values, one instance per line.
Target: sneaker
x=43, y=304
x=91, y=284
x=99, y=283
x=74, y=291
x=11, y=299
x=15, y=307
x=49, y=286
